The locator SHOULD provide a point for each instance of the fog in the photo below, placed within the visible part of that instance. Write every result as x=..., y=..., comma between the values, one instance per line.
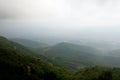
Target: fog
x=61, y=20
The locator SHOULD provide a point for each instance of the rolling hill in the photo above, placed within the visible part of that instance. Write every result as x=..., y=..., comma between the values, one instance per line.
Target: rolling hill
x=19, y=63
x=71, y=56
x=29, y=43
x=115, y=53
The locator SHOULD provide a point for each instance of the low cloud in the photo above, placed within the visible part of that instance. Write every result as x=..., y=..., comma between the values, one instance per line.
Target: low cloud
x=76, y=12
x=59, y=17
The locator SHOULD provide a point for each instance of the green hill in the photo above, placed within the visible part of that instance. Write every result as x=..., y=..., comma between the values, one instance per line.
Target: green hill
x=29, y=43
x=97, y=73
x=71, y=56
x=7, y=44
x=67, y=55
x=115, y=53
x=17, y=64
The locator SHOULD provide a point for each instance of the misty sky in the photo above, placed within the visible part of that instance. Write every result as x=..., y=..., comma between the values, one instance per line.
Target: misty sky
x=64, y=18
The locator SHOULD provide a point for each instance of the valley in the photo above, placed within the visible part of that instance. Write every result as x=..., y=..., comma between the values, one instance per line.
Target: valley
x=63, y=61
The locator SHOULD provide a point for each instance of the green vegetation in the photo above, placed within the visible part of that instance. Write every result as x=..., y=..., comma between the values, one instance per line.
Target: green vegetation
x=30, y=44
x=94, y=73
x=97, y=73
x=71, y=56
x=19, y=63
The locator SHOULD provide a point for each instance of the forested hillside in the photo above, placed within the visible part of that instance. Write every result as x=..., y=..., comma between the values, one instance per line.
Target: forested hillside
x=18, y=63
x=74, y=56
x=71, y=56
x=29, y=43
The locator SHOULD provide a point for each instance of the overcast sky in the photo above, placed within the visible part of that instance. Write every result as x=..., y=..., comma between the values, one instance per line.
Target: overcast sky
x=59, y=17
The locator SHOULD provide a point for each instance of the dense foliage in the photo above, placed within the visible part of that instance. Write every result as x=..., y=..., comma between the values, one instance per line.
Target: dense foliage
x=71, y=56
x=18, y=63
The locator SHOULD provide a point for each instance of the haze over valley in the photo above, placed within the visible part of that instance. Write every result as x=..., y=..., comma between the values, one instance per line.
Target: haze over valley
x=59, y=39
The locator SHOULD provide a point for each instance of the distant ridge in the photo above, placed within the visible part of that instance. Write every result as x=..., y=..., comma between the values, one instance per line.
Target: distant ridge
x=19, y=63
x=29, y=43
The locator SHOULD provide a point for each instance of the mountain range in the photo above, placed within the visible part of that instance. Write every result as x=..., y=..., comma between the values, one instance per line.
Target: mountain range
x=56, y=62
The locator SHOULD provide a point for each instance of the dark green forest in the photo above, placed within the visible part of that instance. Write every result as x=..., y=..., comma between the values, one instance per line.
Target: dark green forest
x=22, y=63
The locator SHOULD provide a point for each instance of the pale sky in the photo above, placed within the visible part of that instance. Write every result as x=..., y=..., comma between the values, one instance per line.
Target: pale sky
x=60, y=17
x=74, y=12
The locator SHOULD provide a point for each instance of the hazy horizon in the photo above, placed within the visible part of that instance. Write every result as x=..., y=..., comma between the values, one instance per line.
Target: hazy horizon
x=60, y=19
